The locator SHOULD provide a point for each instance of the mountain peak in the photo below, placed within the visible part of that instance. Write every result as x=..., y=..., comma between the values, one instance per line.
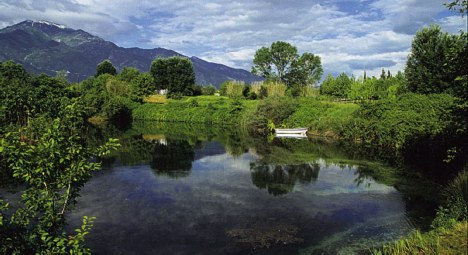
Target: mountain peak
x=38, y=24
x=48, y=23
x=44, y=46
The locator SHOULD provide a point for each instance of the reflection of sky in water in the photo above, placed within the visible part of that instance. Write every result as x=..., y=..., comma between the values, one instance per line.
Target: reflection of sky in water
x=139, y=212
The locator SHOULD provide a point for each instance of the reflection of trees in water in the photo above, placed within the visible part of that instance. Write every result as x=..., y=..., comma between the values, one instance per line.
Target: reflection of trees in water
x=280, y=179
x=173, y=159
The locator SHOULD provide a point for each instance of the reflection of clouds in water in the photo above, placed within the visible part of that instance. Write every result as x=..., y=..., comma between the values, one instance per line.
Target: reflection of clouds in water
x=224, y=162
x=140, y=212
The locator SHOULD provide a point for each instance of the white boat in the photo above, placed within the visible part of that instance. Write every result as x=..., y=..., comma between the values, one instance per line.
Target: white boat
x=291, y=132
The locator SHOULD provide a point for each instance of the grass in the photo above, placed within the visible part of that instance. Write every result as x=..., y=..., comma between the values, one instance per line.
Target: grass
x=438, y=241
x=321, y=117
x=201, y=109
x=155, y=99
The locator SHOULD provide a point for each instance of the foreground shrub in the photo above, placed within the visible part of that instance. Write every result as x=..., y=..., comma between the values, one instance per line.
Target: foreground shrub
x=273, y=111
x=454, y=207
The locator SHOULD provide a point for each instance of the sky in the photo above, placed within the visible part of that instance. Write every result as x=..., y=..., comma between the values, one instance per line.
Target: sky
x=348, y=35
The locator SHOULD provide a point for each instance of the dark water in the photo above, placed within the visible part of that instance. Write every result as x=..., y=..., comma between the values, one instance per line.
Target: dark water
x=183, y=190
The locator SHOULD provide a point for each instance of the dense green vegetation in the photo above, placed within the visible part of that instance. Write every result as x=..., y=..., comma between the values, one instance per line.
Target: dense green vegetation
x=174, y=74
x=281, y=62
x=406, y=117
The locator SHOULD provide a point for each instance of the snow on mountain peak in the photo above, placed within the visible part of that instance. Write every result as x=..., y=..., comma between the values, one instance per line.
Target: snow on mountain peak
x=49, y=24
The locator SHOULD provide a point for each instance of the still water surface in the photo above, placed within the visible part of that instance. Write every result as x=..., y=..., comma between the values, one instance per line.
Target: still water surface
x=185, y=190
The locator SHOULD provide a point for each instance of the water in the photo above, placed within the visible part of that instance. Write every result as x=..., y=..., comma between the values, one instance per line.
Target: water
x=184, y=190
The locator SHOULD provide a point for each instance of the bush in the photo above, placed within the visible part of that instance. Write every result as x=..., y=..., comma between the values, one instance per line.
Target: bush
x=454, y=207
x=119, y=110
x=208, y=90
x=275, y=89
x=271, y=110
x=392, y=122
x=235, y=89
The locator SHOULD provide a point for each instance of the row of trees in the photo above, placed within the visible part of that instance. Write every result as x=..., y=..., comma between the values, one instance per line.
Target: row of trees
x=173, y=74
x=350, y=88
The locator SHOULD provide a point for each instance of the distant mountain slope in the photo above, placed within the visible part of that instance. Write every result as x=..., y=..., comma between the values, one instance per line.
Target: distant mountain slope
x=42, y=46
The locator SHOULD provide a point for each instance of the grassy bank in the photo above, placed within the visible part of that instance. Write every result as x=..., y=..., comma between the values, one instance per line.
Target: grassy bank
x=201, y=109
x=438, y=241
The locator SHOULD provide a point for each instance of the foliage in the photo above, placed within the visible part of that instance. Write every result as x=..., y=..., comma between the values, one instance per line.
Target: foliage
x=281, y=62
x=155, y=99
x=338, y=87
x=174, y=74
x=234, y=89
x=52, y=160
x=105, y=67
x=391, y=122
x=207, y=109
x=322, y=117
x=119, y=109
x=437, y=59
x=454, y=207
x=273, y=89
x=142, y=85
x=438, y=241
x=23, y=97
x=306, y=71
x=208, y=90
x=460, y=5
x=270, y=111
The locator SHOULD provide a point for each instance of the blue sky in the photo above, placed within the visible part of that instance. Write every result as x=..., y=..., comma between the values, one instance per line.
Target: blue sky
x=349, y=35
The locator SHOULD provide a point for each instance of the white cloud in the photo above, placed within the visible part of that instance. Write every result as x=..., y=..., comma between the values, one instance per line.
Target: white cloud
x=344, y=33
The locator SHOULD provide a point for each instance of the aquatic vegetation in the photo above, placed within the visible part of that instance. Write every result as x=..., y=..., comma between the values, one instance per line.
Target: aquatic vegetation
x=264, y=235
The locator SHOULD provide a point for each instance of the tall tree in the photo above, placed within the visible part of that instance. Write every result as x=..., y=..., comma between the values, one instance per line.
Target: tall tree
x=282, y=62
x=174, y=74
x=306, y=70
x=105, y=67
x=435, y=61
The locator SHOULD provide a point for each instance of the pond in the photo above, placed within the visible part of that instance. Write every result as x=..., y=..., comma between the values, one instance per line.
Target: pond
x=178, y=189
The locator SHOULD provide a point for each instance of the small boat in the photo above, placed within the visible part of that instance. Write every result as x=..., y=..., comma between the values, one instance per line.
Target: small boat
x=291, y=132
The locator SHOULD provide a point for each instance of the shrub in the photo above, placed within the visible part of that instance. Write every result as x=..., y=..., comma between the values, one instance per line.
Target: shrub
x=454, y=207
x=234, y=89
x=273, y=111
x=119, y=109
x=275, y=89
x=209, y=90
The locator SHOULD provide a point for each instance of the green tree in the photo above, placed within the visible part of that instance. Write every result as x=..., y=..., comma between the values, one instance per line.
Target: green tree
x=128, y=74
x=15, y=93
x=208, y=90
x=338, y=87
x=281, y=62
x=105, y=67
x=436, y=61
x=174, y=74
x=306, y=70
x=143, y=85
x=52, y=160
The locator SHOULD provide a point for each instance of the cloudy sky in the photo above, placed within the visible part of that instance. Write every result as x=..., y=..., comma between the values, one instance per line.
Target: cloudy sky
x=349, y=35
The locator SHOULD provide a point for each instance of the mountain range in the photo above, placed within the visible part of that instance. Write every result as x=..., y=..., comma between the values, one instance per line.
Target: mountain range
x=46, y=47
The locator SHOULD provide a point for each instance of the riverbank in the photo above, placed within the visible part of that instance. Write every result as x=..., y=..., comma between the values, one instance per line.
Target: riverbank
x=410, y=126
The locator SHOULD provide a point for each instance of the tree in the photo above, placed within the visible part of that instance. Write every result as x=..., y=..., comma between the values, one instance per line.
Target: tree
x=460, y=6
x=174, y=74
x=338, y=87
x=53, y=162
x=281, y=62
x=105, y=67
x=435, y=61
x=306, y=70
x=15, y=93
